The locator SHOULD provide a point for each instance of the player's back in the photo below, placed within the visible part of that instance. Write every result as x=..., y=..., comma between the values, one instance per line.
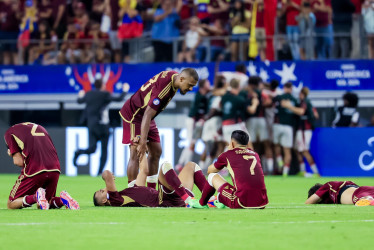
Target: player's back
x=35, y=144
x=246, y=172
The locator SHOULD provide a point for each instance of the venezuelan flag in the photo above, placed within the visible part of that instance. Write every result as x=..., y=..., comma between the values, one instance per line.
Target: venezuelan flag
x=24, y=36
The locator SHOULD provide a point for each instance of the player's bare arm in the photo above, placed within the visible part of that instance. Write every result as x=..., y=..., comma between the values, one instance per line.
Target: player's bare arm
x=313, y=199
x=109, y=179
x=141, y=179
x=148, y=115
x=252, y=108
x=212, y=169
x=287, y=104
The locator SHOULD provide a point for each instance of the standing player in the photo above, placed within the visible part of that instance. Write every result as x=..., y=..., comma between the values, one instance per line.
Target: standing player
x=138, y=115
x=32, y=149
x=245, y=168
x=341, y=192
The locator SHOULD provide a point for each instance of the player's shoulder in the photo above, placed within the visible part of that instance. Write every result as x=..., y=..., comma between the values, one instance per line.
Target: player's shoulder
x=168, y=73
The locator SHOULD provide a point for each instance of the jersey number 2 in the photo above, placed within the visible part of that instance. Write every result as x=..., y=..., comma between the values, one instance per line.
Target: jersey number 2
x=254, y=162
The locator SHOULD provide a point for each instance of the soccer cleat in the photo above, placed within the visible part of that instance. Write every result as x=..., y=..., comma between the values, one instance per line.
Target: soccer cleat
x=41, y=200
x=68, y=201
x=193, y=203
x=364, y=202
x=211, y=201
x=302, y=174
x=218, y=204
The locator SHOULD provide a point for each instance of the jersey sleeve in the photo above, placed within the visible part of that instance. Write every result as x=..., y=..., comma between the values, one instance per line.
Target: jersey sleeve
x=11, y=143
x=221, y=162
x=163, y=85
x=115, y=198
x=322, y=191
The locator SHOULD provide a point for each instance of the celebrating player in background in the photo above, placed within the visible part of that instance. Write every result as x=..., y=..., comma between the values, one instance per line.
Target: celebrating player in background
x=245, y=168
x=195, y=122
x=347, y=115
x=96, y=114
x=339, y=192
x=138, y=115
x=284, y=121
x=32, y=149
x=305, y=129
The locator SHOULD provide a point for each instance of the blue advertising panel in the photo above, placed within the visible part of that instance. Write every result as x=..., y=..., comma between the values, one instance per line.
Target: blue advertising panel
x=72, y=78
x=344, y=151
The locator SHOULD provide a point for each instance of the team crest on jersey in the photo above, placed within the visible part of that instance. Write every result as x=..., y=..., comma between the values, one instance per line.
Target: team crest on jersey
x=156, y=101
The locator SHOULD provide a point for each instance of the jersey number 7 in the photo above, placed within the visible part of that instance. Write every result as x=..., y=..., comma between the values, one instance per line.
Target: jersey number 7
x=254, y=162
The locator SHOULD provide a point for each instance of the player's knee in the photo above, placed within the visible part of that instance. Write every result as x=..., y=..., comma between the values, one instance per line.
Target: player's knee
x=192, y=165
x=166, y=166
x=210, y=178
x=9, y=205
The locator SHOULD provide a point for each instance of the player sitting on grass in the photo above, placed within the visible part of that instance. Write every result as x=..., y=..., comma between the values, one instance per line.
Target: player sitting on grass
x=32, y=149
x=341, y=192
x=244, y=166
x=174, y=191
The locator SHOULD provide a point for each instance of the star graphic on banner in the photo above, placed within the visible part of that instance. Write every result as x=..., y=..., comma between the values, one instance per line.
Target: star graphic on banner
x=297, y=89
x=287, y=73
x=264, y=75
x=252, y=69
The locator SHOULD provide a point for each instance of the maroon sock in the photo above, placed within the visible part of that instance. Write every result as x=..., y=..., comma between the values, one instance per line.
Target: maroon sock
x=173, y=180
x=29, y=199
x=200, y=180
x=56, y=202
x=151, y=185
x=207, y=192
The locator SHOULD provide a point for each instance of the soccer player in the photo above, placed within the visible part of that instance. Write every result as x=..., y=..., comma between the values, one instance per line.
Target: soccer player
x=341, y=192
x=32, y=149
x=245, y=168
x=138, y=115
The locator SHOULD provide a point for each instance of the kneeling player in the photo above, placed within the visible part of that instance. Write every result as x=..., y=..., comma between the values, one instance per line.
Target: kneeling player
x=244, y=166
x=32, y=149
x=174, y=191
x=341, y=192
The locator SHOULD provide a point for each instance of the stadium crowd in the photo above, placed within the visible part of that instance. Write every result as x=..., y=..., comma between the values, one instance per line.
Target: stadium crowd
x=280, y=126
x=100, y=31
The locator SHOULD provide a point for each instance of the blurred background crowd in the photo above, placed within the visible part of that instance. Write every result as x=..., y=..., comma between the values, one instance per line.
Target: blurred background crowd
x=101, y=31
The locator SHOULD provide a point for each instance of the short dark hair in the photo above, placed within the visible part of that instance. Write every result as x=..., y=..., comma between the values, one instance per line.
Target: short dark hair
x=241, y=68
x=254, y=80
x=274, y=84
x=314, y=189
x=98, y=83
x=240, y=137
x=191, y=72
x=202, y=83
x=288, y=85
x=219, y=82
x=351, y=98
x=95, y=201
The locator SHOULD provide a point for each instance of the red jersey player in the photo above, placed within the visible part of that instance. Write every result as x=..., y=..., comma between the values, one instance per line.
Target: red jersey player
x=138, y=115
x=341, y=192
x=32, y=149
x=244, y=166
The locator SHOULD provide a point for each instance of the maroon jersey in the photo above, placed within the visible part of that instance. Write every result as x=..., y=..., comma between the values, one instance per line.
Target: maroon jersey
x=35, y=145
x=155, y=93
x=246, y=173
x=134, y=197
x=330, y=191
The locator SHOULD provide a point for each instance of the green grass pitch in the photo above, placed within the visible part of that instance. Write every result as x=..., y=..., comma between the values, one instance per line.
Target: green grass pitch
x=286, y=223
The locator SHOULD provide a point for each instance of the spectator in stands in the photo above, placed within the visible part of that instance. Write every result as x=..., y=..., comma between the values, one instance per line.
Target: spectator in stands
x=371, y=124
x=240, y=24
x=356, y=29
x=192, y=40
x=59, y=14
x=45, y=11
x=202, y=11
x=217, y=46
x=69, y=51
x=47, y=42
x=112, y=7
x=260, y=30
x=10, y=17
x=347, y=115
x=324, y=33
x=165, y=29
x=368, y=18
x=342, y=23
x=306, y=20
x=219, y=9
x=102, y=53
x=292, y=9
x=98, y=9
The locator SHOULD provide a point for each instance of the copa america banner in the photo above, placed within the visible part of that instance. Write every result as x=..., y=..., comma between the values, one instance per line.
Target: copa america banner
x=64, y=79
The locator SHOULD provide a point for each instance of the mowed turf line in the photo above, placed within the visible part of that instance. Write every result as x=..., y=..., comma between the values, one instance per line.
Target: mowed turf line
x=285, y=224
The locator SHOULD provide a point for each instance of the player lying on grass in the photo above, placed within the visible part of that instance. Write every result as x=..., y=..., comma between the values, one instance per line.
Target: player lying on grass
x=245, y=168
x=32, y=149
x=341, y=192
x=174, y=191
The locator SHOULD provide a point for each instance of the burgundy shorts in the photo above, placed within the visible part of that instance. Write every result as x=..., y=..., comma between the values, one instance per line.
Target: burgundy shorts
x=28, y=185
x=131, y=130
x=169, y=199
x=362, y=192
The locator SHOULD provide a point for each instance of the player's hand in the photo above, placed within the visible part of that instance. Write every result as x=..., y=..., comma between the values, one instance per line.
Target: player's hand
x=286, y=103
x=135, y=140
x=9, y=152
x=125, y=87
x=141, y=149
x=81, y=93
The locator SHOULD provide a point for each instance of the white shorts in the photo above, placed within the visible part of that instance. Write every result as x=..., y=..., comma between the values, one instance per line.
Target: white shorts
x=228, y=129
x=257, y=128
x=115, y=44
x=194, y=129
x=303, y=139
x=211, y=128
x=283, y=135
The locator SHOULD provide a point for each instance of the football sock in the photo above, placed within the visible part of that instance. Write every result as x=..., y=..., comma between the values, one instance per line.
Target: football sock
x=280, y=161
x=302, y=166
x=173, y=180
x=56, y=202
x=29, y=200
x=314, y=168
x=286, y=169
x=207, y=192
x=131, y=183
x=270, y=165
x=199, y=178
x=152, y=180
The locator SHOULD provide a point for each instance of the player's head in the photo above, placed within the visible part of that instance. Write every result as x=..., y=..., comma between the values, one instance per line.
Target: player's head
x=204, y=86
x=100, y=198
x=304, y=93
x=98, y=83
x=234, y=84
x=314, y=189
x=350, y=99
x=254, y=81
x=274, y=84
x=239, y=138
x=287, y=88
x=186, y=80
x=220, y=82
x=241, y=68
